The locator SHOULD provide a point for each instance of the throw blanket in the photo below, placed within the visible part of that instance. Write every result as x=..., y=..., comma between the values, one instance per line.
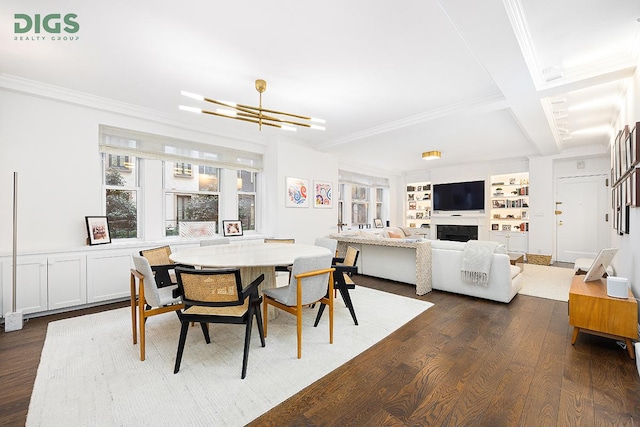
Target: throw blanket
x=476, y=261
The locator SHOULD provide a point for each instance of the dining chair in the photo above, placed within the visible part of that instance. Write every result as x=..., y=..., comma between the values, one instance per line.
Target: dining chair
x=218, y=296
x=311, y=281
x=345, y=267
x=218, y=241
x=148, y=300
x=281, y=268
x=331, y=244
x=162, y=266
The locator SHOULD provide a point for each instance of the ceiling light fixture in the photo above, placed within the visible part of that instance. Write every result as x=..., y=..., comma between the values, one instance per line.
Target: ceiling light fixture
x=431, y=155
x=260, y=116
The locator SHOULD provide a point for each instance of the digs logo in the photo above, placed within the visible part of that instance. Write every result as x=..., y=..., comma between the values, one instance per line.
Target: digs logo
x=53, y=23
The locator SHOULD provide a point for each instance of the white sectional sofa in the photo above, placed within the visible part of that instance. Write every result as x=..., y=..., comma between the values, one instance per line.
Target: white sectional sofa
x=428, y=264
x=446, y=256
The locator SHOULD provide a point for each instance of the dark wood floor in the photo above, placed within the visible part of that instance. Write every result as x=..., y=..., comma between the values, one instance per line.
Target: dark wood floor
x=465, y=361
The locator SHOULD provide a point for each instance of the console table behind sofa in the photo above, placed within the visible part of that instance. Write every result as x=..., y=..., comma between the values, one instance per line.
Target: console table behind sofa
x=393, y=259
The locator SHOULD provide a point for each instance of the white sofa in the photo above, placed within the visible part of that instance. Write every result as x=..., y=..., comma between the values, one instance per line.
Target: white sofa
x=505, y=279
x=407, y=260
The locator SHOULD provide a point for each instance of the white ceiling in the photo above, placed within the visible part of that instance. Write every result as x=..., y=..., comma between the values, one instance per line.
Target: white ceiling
x=477, y=80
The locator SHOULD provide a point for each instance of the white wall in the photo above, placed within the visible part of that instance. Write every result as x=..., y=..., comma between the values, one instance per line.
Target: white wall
x=288, y=159
x=53, y=145
x=625, y=262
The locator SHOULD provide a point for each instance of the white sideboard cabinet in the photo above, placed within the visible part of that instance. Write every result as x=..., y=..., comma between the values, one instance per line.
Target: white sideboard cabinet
x=31, y=285
x=108, y=275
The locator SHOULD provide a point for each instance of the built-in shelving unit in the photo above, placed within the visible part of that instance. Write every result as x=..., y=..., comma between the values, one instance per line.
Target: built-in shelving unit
x=509, y=212
x=418, y=204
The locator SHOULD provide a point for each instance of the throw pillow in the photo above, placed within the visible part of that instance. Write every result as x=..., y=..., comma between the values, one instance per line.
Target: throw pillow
x=394, y=235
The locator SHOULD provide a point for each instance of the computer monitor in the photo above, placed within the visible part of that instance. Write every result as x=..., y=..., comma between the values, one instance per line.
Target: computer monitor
x=600, y=264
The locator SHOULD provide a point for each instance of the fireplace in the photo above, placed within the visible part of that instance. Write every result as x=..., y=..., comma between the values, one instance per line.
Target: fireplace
x=459, y=233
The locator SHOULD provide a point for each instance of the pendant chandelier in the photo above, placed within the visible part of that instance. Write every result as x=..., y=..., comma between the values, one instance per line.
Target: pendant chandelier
x=260, y=116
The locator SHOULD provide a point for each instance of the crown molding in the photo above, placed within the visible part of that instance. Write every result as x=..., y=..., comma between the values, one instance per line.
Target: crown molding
x=488, y=103
x=82, y=99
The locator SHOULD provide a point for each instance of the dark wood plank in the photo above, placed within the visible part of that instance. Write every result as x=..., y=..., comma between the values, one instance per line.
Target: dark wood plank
x=465, y=361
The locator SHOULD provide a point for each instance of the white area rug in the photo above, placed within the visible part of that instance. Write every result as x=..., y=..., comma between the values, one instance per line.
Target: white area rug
x=90, y=373
x=546, y=281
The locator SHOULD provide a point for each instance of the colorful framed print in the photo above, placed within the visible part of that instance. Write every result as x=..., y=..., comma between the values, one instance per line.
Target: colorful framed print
x=297, y=193
x=322, y=194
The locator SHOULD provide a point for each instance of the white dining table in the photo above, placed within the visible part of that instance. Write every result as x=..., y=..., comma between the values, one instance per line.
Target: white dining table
x=252, y=258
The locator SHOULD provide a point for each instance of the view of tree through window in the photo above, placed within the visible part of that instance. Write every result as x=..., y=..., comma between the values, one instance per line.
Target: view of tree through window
x=121, y=198
x=247, y=199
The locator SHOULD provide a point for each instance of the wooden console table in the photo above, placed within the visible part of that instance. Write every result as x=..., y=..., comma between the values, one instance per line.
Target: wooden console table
x=591, y=310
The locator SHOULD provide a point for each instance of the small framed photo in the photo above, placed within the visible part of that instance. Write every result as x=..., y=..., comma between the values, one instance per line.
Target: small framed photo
x=506, y=227
x=98, y=230
x=231, y=227
x=495, y=227
x=377, y=223
x=524, y=215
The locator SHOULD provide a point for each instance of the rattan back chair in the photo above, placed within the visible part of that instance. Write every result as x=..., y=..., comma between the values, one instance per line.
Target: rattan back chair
x=218, y=296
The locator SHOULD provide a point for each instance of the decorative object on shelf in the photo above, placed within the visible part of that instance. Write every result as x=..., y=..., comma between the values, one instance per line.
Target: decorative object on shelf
x=411, y=188
x=495, y=227
x=512, y=181
x=506, y=227
x=232, y=227
x=377, y=223
x=411, y=196
x=98, y=229
x=431, y=155
x=258, y=115
x=499, y=204
x=524, y=215
x=412, y=205
x=419, y=188
x=297, y=195
x=496, y=216
x=322, y=194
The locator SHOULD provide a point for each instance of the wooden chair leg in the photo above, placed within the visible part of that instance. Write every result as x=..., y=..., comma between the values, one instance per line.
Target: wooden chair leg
x=299, y=327
x=265, y=318
x=134, y=316
x=142, y=319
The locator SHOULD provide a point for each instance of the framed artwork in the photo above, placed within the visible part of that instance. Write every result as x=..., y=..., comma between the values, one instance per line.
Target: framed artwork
x=377, y=223
x=98, y=230
x=232, y=227
x=297, y=190
x=322, y=194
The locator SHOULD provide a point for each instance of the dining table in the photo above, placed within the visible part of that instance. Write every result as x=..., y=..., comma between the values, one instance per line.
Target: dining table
x=253, y=258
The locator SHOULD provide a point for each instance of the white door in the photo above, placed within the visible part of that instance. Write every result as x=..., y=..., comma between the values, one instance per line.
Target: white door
x=582, y=227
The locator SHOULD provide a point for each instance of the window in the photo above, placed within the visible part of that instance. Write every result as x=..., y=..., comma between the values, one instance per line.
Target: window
x=359, y=205
x=190, y=198
x=182, y=169
x=121, y=195
x=121, y=163
x=246, y=182
x=340, y=206
x=379, y=203
x=182, y=179
x=363, y=198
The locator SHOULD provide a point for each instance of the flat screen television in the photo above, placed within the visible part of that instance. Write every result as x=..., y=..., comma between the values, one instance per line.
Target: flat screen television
x=459, y=196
